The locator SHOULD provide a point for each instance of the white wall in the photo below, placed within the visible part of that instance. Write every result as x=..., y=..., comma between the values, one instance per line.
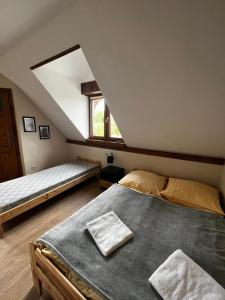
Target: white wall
x=34, y=152
x=158, y=63
x=67, y=93
x=206, y=173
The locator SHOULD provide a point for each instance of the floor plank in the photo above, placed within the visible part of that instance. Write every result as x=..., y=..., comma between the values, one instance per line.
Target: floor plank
x=15, y=271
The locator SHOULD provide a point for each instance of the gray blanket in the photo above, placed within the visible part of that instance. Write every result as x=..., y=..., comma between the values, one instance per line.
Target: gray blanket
x=17, y=191
x=159, y=229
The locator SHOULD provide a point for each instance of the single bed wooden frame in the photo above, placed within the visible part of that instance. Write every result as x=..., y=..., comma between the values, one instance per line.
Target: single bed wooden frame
x=46, y=275
x=18, y=210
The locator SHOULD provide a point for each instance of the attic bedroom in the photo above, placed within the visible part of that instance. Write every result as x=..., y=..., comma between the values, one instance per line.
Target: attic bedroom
x=112, y=152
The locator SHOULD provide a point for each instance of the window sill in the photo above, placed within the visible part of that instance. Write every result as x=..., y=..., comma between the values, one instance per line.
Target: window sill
x=114, y=144
x=100, y=143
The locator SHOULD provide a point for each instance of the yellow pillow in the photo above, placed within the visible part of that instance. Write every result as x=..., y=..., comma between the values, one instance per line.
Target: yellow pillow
x=145, y=182
x=193, y=194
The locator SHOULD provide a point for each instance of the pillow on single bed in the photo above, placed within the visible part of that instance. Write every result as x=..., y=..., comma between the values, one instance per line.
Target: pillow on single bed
x=145, y=182
x=193, y=194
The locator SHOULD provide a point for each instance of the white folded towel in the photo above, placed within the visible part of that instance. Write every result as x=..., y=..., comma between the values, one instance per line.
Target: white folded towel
x=109, y=232
x=180, y=278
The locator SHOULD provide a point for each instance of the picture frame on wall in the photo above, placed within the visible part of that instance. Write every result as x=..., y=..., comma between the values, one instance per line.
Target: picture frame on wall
x=29, y=124
x=44, y=132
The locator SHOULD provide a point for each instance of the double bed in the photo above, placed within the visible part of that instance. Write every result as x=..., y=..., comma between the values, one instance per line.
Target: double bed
x=67, y=262
x=23, y=193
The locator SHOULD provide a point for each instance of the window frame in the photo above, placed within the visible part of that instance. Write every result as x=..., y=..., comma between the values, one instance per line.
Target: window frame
x=107, y=123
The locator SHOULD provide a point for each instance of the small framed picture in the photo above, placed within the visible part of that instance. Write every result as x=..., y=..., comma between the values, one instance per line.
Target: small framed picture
x=44, y=132
x=29, y=124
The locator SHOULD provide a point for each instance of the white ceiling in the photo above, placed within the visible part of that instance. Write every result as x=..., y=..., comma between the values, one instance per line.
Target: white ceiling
x=73, y=65
x=19, y=18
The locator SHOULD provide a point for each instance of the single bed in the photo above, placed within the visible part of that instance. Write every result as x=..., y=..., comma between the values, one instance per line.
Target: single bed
x=23, y=193
x=67, y=262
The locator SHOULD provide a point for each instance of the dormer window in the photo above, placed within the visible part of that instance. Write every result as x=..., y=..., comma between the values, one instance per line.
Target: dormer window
x=70, y=82
x=102, y=125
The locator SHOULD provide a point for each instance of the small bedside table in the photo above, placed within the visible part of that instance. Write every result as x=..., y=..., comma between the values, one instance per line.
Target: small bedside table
x=110, y=175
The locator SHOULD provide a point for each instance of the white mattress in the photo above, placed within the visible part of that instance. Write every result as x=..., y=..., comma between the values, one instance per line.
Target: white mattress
x=22, y=189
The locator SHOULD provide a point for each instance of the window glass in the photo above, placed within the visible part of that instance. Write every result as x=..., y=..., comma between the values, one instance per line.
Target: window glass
x=114, y=130
x=98, y=112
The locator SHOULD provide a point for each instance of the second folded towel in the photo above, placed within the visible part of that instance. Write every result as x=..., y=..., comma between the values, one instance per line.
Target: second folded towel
x=179, y=277
x=109, y=232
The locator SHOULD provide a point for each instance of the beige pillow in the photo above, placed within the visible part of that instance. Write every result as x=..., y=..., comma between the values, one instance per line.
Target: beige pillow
x=145, y=182
x=193, y=194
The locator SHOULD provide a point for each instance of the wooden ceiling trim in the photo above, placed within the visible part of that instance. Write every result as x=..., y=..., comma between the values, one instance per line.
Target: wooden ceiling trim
x=123, y=147
x=54, y=57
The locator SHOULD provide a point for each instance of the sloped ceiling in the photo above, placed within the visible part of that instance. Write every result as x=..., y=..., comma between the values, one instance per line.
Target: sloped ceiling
x=20, y=18
x=160, y=65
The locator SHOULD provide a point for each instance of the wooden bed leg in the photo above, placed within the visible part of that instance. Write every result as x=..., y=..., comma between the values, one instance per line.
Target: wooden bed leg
x=1, y=230
x=37, y=283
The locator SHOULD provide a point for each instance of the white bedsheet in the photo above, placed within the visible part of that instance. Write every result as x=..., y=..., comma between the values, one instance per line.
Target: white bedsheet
x=180, y=278
x=109, y=232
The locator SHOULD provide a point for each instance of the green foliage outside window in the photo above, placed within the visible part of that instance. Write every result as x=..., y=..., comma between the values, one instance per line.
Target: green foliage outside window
x=98, y=125
x=98, y=110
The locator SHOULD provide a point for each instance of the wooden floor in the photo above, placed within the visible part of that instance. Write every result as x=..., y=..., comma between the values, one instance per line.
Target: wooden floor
x=15, y=272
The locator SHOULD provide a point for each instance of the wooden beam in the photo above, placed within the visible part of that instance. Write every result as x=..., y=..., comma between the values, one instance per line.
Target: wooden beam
x=54, y=57
x=90, y=88
x=123, y=147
